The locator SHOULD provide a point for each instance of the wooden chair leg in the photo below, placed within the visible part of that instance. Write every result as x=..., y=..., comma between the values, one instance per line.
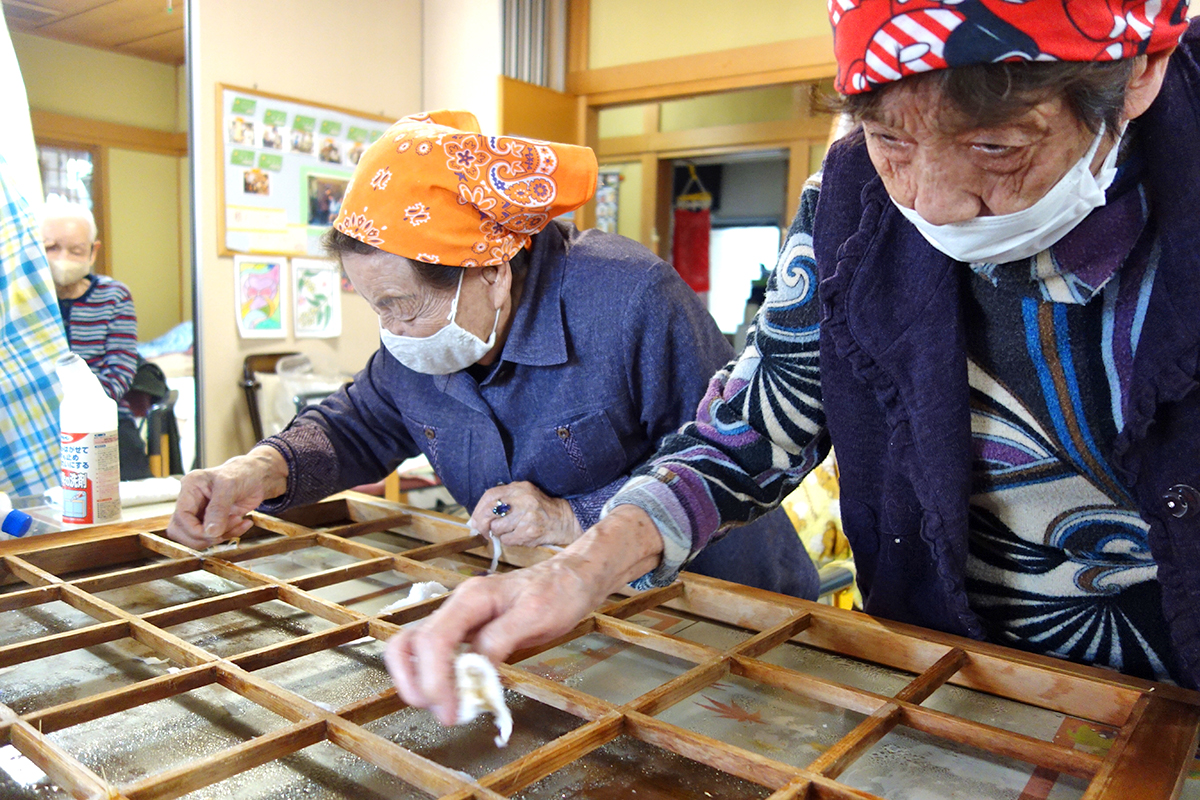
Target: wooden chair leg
x=391, y=487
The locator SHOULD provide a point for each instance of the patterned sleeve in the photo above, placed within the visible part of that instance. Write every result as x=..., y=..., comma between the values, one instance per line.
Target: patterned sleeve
x=117, y=369
x=759, y=429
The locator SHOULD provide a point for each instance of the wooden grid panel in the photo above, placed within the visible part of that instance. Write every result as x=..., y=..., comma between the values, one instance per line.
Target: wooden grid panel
x=1156, y=725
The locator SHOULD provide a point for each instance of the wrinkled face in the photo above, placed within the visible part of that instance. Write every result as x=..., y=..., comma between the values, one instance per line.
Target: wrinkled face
x=407, y=306
x=929, y=162
x=69, y=248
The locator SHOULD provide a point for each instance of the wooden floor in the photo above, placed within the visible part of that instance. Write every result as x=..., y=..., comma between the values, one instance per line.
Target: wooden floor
x=133, y=667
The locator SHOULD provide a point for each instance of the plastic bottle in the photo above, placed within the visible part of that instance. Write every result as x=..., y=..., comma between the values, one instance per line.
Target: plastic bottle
x=13, y=524
x=91, y=466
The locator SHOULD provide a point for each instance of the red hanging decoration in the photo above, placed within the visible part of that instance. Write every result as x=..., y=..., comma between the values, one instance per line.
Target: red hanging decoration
x=693, y=230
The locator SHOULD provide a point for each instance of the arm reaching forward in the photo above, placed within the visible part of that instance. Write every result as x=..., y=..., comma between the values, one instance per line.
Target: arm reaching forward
x=501, y=614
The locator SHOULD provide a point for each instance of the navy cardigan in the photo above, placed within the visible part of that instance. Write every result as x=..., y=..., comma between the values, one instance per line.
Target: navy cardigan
x=894, y=381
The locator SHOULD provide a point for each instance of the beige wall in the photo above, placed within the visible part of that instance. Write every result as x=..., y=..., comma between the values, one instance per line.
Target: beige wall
x=145, y=196
x=366, y=56
x=461, y=57
x=143, y=213
x=629, y=199
x=96, y=84
x=629, y=31
x=730, y=108
x=184, y=212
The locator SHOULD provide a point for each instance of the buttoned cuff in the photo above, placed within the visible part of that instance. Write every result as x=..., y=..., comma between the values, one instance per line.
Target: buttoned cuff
x=313, y=472
x=669, y=516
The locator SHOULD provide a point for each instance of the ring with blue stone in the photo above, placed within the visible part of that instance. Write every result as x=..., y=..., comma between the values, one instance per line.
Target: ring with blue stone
x=501, y=508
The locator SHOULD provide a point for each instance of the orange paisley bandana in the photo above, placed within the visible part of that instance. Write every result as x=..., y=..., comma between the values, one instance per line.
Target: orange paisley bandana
x=434, y=189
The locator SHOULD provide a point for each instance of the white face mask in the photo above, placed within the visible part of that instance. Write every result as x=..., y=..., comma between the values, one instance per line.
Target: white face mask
x=66, y=272
x=1025, y=233
x=451, y=349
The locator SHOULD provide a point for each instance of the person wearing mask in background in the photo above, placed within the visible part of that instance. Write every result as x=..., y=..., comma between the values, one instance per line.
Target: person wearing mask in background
x=989, y=302
x=33, y=340
x=533, y=364
x=98, y=317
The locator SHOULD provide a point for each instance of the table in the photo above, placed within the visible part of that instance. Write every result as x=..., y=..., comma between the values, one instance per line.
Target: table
x=133, y=667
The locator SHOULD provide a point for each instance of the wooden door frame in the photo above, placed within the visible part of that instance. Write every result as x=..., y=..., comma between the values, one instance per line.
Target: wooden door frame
x=98, y=137
x=652, y=82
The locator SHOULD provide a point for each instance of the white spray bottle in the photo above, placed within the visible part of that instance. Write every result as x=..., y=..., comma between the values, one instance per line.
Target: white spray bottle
x=91, y=466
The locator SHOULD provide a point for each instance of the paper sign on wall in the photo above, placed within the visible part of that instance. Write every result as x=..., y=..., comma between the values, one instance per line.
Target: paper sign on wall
x=318, y=298
x=259, y=292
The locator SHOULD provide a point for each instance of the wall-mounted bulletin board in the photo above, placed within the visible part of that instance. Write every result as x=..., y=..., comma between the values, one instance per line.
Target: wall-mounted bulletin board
x=284, y=166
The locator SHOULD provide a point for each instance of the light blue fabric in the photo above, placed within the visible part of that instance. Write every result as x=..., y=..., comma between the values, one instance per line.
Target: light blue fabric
x=32, y=340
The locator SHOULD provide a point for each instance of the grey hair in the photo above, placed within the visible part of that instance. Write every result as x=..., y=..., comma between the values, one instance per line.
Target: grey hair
x=436, y=276
x=993, y=94
x=57, y=208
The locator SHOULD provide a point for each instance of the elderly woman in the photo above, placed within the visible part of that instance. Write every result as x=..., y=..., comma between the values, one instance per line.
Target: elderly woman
x=989, y=303
x=534, y=365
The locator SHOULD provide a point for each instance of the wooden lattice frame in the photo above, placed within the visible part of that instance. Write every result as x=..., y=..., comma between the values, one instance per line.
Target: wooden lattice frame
x=1158, y=724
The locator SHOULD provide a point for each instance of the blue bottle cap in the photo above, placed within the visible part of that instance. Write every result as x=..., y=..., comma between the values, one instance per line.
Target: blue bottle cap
x=16, y=523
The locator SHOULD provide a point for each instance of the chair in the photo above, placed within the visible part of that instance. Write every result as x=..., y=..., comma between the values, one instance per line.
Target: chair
x=148, y=396
x=162, y=438
x=258, y=362
x=310, y=398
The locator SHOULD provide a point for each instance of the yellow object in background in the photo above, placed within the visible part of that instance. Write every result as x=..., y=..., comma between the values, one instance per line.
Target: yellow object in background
x=815, y=512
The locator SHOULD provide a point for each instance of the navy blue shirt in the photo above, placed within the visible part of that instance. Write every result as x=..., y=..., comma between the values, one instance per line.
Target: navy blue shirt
x=608, y=352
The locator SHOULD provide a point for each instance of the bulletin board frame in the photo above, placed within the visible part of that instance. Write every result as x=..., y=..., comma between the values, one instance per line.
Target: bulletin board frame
x=290, y=204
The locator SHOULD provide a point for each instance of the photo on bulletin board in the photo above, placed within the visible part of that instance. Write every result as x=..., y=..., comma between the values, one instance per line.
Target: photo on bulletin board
x=284, y=169
x=259, y=292
x=324, y=197
x=318, y=298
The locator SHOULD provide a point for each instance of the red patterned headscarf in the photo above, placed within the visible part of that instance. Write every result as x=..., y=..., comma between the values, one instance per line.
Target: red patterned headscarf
x=879, y=41
x=434, y=189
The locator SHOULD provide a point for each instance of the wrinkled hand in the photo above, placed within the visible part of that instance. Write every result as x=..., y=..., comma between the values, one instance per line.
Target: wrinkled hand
x=213, y=503
x=533, y=518
x=501, y=614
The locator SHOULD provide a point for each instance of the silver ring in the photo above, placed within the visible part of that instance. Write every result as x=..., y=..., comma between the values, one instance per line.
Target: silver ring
x=500, y=509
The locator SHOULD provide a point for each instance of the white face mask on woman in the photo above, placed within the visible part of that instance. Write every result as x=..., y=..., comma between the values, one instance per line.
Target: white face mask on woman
x=1010, y=237
x=451, y=349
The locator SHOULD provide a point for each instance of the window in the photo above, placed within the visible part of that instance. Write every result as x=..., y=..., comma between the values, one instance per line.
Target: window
x=737, y=257
x=72, y=172
x=67, y=174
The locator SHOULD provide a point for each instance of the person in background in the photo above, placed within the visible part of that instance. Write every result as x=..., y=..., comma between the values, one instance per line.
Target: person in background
x=535, y=365
x=32, y=341
x=989, y=303
x=98, y=318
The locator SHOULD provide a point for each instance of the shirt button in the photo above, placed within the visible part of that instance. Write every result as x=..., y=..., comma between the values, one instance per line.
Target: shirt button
x=563, y=432
x=1182, y=501
x=429, y=433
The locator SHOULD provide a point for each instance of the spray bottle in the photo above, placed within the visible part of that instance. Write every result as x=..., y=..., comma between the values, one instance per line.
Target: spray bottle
x=13, y=523
x=91, y=467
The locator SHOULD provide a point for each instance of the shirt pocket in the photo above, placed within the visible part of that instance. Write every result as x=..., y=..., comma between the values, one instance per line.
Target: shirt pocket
x=579, y=455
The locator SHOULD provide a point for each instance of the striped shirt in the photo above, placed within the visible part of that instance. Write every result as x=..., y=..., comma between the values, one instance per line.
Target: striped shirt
x=102, y=329
x=31, y=339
